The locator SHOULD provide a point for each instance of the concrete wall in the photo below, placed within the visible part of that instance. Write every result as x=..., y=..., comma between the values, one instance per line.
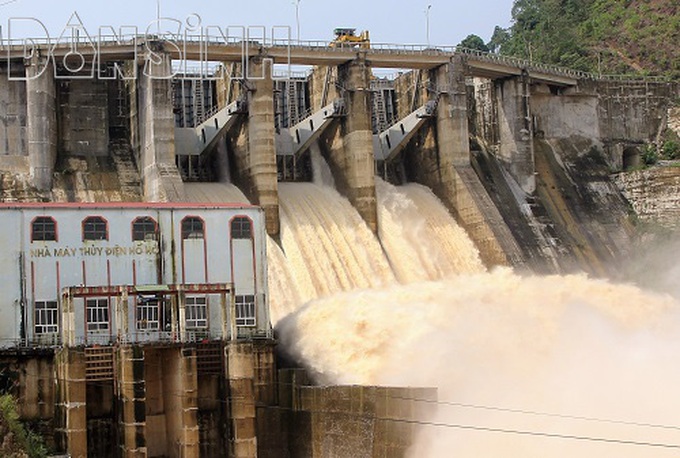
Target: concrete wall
x=564, y=115
x=356, y=421
x=13, y=121
x=83, y=117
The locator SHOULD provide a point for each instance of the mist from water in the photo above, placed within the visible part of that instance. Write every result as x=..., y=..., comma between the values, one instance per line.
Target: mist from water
x=562, y=345
x=558, y=355
x=493, y=343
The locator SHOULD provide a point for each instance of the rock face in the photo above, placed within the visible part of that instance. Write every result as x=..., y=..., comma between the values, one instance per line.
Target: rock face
x=674, y=119
x=654, y=194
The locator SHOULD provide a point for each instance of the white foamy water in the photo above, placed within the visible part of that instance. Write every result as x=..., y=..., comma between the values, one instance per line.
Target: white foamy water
x=328, y=246
x=520, y=358
x=564, y=345
x=329, y=249
x=419, y=235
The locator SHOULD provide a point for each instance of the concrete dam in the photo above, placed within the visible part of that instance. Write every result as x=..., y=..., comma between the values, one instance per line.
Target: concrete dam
x=383, y=199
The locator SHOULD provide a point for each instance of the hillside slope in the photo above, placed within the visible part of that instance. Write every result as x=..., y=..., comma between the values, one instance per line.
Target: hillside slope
x=607, y=36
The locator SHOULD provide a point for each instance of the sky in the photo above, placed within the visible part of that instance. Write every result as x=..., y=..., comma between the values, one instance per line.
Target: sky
x=449, y=20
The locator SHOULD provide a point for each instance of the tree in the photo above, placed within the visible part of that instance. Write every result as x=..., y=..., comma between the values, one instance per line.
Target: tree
x=498, y=39
x=474, y=42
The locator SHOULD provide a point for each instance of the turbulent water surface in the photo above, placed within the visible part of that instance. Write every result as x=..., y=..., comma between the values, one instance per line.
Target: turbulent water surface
x=526, y=366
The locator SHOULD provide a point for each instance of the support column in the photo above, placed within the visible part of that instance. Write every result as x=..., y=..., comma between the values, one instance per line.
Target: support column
x=447, y=171
x=240, y=380
x=71, y=406
x=516, y=131
x=156, y=156
x=41, y=113
x=180, y=396
x=453, y=137
x=262, y=187
x=131, y=392
x=352, y=159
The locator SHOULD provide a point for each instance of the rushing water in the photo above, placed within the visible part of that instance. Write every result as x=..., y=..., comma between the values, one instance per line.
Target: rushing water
x=555, y=366
x=523, y=358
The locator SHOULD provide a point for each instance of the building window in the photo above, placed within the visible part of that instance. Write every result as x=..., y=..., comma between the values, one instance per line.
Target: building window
x=196, y=310
x=192, y=228
x=95, y=228
x=43, y=228
x=241, y=228
x=97, y=314
x=46, y=317
x=245, y=310
x=147, y=314
x=144, y=228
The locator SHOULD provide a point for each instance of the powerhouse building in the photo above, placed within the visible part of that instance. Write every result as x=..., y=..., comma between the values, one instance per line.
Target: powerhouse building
x=104, y=273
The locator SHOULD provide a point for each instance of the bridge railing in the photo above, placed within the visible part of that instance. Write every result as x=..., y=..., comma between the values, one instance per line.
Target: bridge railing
x=317, y=45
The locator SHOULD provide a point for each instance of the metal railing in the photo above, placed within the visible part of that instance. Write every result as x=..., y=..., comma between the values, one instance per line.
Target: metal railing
x=261, y=44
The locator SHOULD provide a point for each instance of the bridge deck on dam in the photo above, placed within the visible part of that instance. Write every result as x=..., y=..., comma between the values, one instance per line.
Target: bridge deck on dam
x=321, y=53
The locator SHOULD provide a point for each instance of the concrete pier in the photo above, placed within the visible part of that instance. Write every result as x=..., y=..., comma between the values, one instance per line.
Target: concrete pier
x=41, y=113
x=156, y=155
x=131, y=392
x=71, y=406
x=260, y=160
x=516, y=131
x=350, y=156
x=241, y=385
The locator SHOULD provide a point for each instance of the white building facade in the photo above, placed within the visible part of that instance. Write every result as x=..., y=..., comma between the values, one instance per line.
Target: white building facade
x=104, y=273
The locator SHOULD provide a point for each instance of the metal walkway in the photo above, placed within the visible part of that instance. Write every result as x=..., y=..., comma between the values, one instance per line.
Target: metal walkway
x=298, y=139
x=388, y=143
x=193, y=141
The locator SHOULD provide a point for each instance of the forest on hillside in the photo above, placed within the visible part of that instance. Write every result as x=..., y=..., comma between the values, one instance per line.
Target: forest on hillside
x=600, y=36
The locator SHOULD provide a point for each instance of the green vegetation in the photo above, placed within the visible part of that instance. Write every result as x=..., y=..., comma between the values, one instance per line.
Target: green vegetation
x=474, y=42
x=650, y=156
x=600, y=36
x=25, y=442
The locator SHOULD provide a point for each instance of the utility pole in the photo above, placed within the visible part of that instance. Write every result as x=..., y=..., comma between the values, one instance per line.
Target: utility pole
x=297, y=18
x=427, y=24
x=158, y=16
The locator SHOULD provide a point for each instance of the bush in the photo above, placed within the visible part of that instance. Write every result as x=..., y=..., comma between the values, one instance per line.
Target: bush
x=30, y=442
x=650, y=156
x=671, y=149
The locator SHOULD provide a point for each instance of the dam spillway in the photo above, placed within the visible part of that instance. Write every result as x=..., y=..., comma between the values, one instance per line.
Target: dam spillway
x=440, y=174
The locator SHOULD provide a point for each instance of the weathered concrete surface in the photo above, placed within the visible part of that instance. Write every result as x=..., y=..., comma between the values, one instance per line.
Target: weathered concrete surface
x=42, y=131
x=83, y=117
x=261, y=154
x=252, y=151
x=574, y=185
x=131, y=389
x=355, y=421
x=71, y=408
x=13, y=120
x=516, y=130
x=348, y=148
x=240, y=375
x=112, y=178
x=156, y=128
x=654, y=194
x=181, y=402
x=439, y=158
